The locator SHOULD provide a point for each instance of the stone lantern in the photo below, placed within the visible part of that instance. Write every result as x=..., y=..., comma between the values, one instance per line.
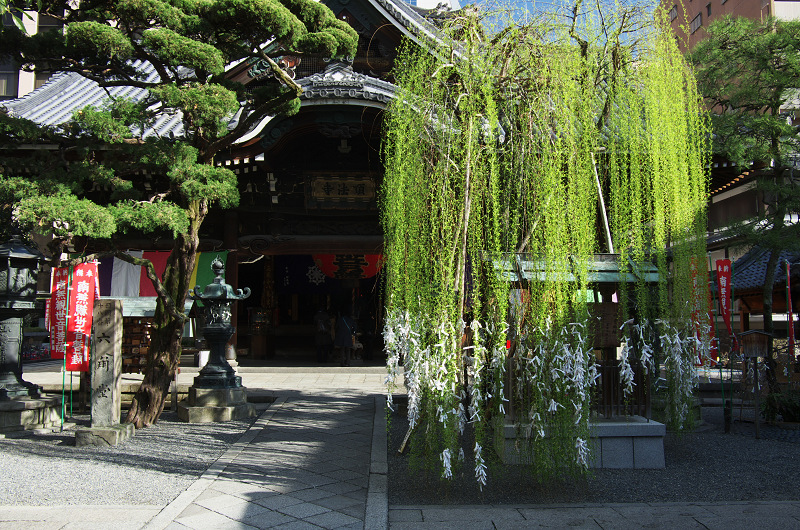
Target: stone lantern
x=19, y=267
x=217, y=393
x=22, y=407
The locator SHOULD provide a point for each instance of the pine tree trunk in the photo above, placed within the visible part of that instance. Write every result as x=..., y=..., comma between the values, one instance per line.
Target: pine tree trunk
x=164, y=353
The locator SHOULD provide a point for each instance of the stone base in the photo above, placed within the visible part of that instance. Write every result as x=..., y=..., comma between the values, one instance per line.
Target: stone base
x=26, y=413
x=104, y=436
x=207, y=405
x=623, y=443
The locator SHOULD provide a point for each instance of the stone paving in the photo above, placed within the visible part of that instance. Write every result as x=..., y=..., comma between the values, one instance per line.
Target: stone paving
x=305, y=463
x=316, y=458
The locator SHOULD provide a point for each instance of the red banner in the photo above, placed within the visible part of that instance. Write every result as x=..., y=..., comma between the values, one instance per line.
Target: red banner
x=57, y=313
x=71, y=306
x=724, y=286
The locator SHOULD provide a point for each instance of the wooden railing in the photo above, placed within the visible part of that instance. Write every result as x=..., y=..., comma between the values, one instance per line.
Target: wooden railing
x=610, y=399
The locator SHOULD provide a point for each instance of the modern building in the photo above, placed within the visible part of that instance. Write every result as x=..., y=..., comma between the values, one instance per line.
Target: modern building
x=14, y=82
x=689, y=18
x=732, y=193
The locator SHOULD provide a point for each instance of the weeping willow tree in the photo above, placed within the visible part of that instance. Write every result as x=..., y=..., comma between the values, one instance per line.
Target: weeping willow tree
x=501, y=144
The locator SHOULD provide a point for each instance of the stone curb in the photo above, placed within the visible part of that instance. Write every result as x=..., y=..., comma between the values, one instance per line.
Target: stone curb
x=377, y=510
x=166, y=516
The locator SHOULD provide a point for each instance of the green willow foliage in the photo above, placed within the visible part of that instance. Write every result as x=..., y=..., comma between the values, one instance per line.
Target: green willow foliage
x=495, y=149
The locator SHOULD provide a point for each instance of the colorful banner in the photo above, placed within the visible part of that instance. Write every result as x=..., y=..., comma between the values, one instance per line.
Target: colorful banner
x=71, y=306
x=724, y=288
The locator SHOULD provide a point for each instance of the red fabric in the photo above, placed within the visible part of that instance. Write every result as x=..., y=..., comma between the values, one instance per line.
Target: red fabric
x=84, y=289
x=352, y=266
x=58, y=313
x=159, y=260
x=724, y=286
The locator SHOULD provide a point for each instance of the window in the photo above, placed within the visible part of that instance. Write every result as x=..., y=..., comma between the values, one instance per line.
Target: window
x=41, y=77
x=9, y=77
x=708, y=9
x=48, y=23
x=696, y=23
x=673, y=13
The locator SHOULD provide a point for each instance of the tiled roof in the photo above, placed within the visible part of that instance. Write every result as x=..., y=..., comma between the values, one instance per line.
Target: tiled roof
x=750, y=269
x=66, y=92
x=54, y=102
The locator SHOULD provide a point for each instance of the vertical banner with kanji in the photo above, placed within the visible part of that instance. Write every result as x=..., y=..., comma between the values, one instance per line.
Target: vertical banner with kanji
x=724, y=274
x=83, y=291
x=72, y=303
x=57, y=313
x=698, y=294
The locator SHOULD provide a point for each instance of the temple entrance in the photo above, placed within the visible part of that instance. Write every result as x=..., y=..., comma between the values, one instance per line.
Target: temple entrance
x=276, y=324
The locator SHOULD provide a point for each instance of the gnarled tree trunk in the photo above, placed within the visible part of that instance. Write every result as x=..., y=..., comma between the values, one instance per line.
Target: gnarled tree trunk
x=165, y=347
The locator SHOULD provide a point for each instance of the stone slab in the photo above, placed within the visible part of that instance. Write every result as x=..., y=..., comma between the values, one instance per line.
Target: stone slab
x=24, y=414
x=626, y=443
x=616, y=452
x=104, y=436
x=106, y=363
x=213, y=397
x=192, y=414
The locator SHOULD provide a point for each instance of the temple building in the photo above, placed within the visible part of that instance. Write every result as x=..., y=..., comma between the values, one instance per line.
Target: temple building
x=306, y=233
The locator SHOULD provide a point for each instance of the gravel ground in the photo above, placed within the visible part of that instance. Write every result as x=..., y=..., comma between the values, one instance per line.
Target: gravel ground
x=152, y=468
x=706, y=465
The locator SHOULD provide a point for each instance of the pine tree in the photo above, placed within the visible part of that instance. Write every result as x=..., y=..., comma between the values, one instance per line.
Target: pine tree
x=749, y=72
x=178, y=51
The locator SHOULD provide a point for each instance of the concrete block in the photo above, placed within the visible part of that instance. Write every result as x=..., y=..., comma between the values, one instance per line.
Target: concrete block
x=192, y=414
x=595, y=450
x=104, y=436
x=619, y=443
x=648, y=452
x=212, y=397
x=617, y=452
x=22, y=414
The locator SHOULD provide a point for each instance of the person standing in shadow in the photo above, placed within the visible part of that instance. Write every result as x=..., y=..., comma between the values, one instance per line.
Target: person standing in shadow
x=322, y=334
x=345, y=335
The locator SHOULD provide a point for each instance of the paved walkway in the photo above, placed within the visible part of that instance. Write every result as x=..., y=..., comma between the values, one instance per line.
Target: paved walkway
x=304, y=464
x=316, y=458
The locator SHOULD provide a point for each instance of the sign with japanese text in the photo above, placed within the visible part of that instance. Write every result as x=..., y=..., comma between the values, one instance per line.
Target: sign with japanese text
x=57, y=313
x=341, y=192
x=724, y=286
x=349, y=266
x=71, y=305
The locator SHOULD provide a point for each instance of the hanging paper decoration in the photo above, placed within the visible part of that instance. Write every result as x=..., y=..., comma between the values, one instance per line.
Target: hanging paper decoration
x=702, y=328
x=349, y=266
x=315, y=276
